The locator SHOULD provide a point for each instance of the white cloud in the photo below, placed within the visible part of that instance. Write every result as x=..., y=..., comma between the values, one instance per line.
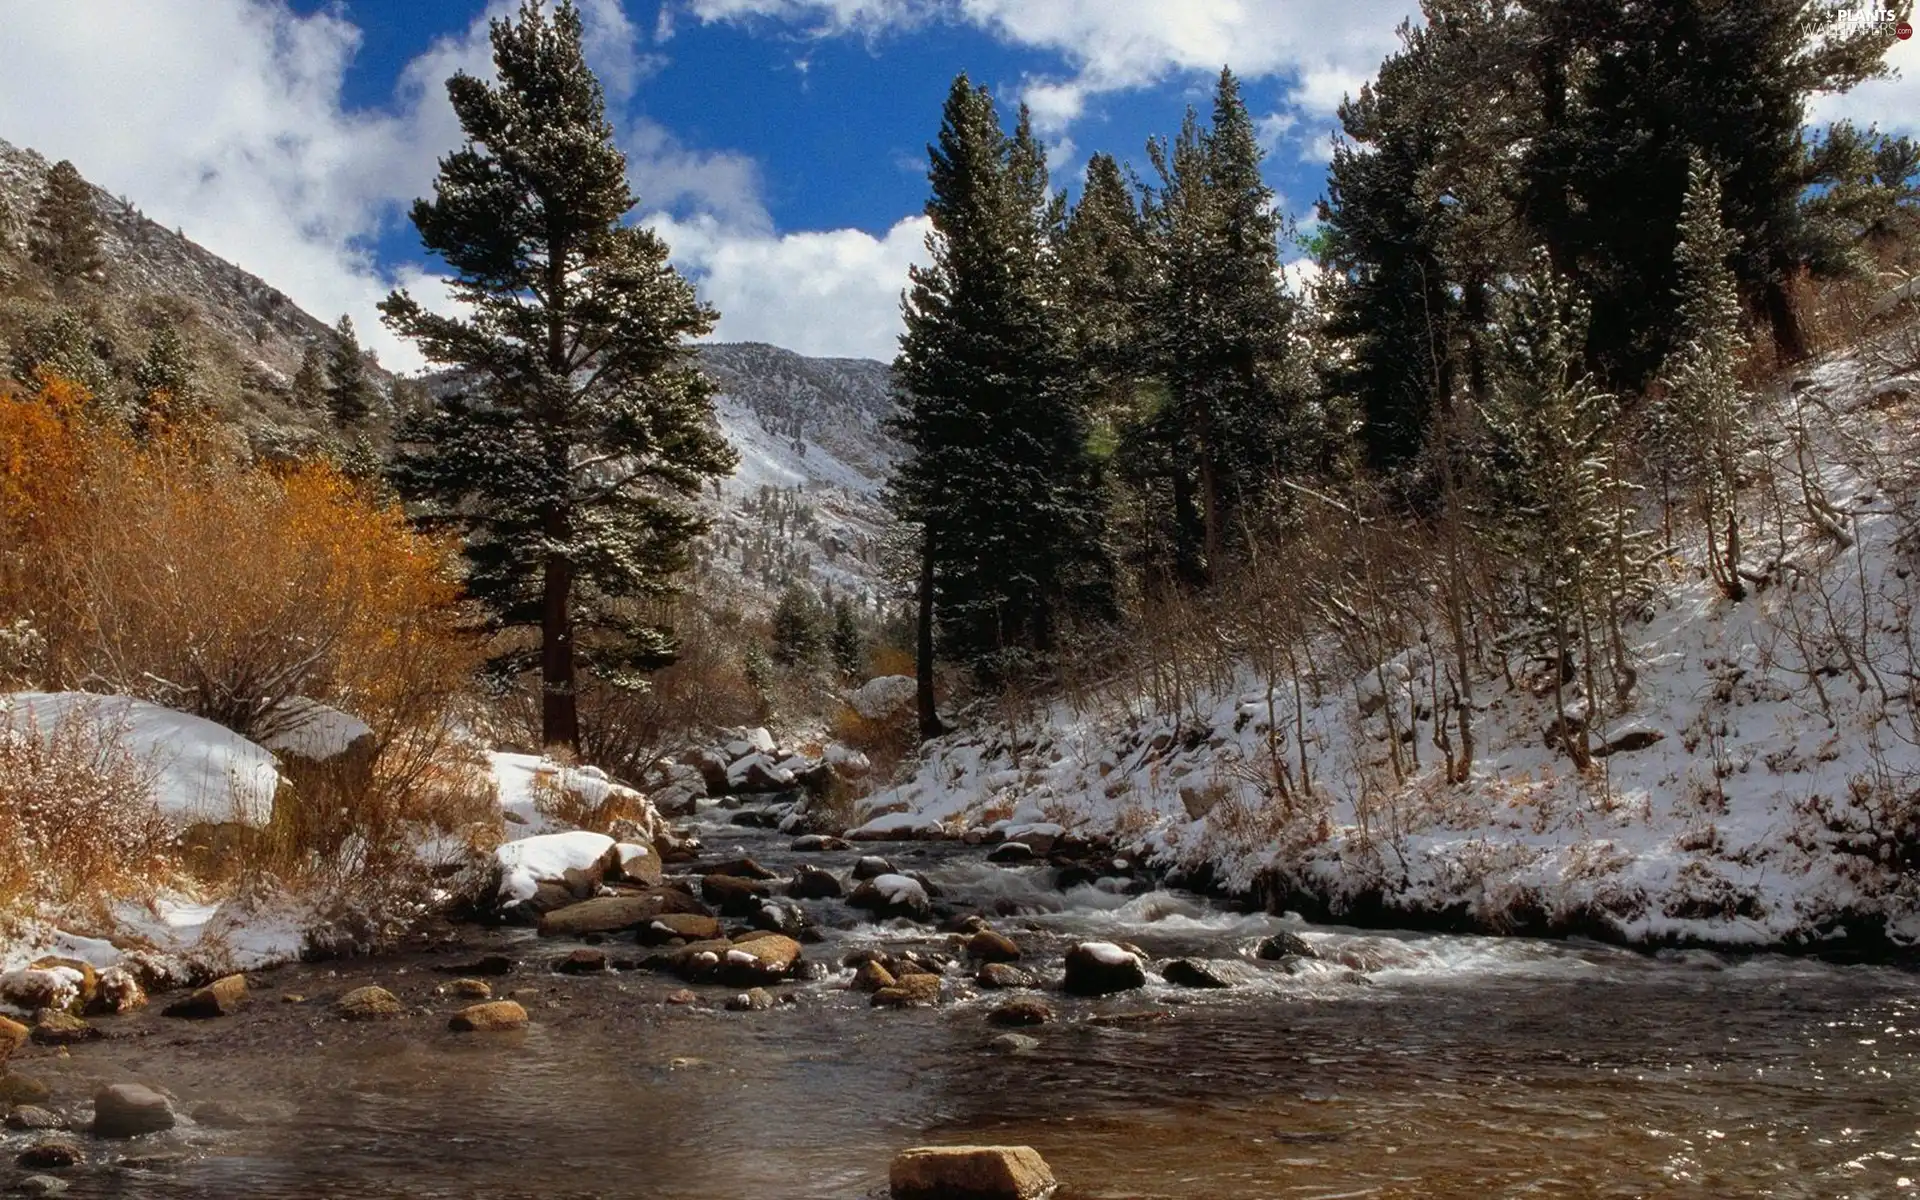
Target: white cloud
x=668, y=176
x=833, y=293
x=1892, y=104
x=1324, y=48
x=225, y=118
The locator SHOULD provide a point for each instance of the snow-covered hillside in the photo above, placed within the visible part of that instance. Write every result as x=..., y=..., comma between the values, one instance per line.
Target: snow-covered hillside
x=1761, y=790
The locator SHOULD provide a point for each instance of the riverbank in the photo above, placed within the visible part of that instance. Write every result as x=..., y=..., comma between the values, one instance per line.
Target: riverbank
x=1396, y=1064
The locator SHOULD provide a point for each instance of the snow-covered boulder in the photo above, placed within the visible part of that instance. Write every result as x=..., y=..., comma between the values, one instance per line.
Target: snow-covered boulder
x=758, y=773
x=888, y=896
x=883, y=697
x=524, y=781
x=847, y=762
x=1100, y=968
x=319, y=744
x=547, y=858
x=202, y=772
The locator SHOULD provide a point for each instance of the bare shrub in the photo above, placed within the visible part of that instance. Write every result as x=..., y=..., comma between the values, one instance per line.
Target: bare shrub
x=77, y=815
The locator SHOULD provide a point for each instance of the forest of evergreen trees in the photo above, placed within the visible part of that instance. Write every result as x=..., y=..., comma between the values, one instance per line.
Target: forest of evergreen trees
x=1557, y=237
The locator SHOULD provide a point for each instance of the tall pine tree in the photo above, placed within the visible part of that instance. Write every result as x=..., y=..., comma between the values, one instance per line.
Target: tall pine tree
x=1218, y=328
x=585, y=428
x=1699, y=423
x=1630, y=89
x=349, y=392
x=65, y=236
x=996, y=479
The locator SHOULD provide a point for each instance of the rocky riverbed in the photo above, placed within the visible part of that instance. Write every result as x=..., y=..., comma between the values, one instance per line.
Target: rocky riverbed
x=807, y=1012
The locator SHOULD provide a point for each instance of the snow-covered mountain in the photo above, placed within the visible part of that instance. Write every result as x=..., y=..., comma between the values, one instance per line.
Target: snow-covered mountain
x=814, y=453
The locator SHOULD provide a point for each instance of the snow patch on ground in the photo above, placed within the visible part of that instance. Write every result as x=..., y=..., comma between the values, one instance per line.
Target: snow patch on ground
x=529, y=862
x=1785, y=722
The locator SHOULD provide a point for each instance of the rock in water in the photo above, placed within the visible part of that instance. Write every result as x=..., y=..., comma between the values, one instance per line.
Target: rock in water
x=757, y=959
x=1026, y=1011
x=493, y=1016
x=125, y=1110
x=32, y=1118
x=869, y=866
x=1004, y=975
x=970, y=1173
x=612, y=914
x=582, y=962
x=55, y=1028
x=49, y=1155
x=1285, y=945
x=988, y=946
x=909, y=991
x=888, y=896
x=691, y=927
x=1101, y=968
x=218, y=999
x=812, y=883
x=734, y=895
x=12, y=1036
x=1011, y=852
x=872, y=977
x=1205, y=973
x=368, y=1004
x=751, y=1000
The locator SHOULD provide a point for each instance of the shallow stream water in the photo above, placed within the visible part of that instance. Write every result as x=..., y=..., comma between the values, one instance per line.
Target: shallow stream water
x=1405, y=1066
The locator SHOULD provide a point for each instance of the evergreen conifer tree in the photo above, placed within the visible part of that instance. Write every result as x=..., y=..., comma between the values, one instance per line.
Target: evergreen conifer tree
x=586, y=428
x=847, y=640
x=310, y=381
x=1556, y=499
x=997, y=480
x=800, y=629
x=1219, y=327
x=349, y=390
x=166, y=378
x=65, y=238
x=1699, y=425
x=1630, y=89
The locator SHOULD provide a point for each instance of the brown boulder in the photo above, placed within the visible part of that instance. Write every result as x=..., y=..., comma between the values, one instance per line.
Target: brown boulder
x=582, y=962
x=493, y=1016
x=758, y=958
x=119, y=992
x=1030, y=1010
x=368, y=1004
x=970, y=1173
x=637, y=867
x=733, y=895
x=740, y=868
x=1101, y=968
x=872, y=977
x=692, y=927
x=477, y=989
x=218, y=999
x=13, y=1035
x=89, y=981
x=1004, y=975
x=909, y=991
x=988, y=946
x=55, y=1028
x=614, y=914
x=50, y=1155
x=125, y=1110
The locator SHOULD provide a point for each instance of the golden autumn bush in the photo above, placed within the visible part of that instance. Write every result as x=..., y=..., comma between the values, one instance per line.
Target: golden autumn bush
x=168, y=567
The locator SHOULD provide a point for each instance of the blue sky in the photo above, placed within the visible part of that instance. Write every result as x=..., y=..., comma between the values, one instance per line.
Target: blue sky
x=779, y=145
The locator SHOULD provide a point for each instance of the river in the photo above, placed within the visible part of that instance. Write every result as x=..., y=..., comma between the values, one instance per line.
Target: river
x=1441, y=1067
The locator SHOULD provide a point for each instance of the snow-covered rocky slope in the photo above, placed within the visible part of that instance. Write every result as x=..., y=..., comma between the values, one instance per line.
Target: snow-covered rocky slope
x=1764, y=788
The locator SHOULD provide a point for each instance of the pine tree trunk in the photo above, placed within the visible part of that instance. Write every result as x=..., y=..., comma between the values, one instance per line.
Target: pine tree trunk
x=1789, y=335
x=559, y=711
x=1209, y=497
x=930, y=726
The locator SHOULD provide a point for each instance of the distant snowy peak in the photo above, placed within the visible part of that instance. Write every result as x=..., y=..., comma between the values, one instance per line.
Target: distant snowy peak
x=840, y=405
